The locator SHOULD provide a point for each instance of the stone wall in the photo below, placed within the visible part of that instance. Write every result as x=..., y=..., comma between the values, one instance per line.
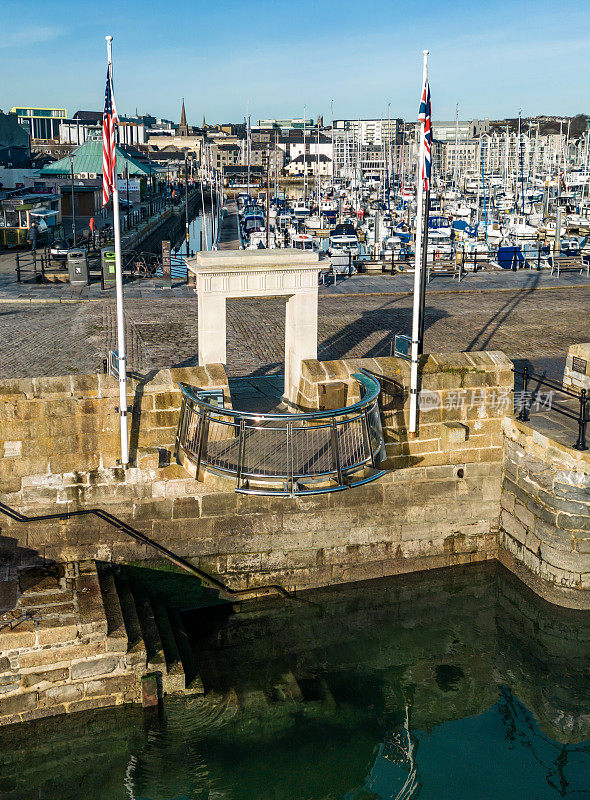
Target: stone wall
x=59, y=433
x=545, y=518
x=463, y=400
x=578, y=356
x=57, y=654
x=437, y=505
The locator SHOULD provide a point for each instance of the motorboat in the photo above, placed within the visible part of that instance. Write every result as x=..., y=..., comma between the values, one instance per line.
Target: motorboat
x=343, y=239
x=302, y=241
x=300, y=209
x=257, y=241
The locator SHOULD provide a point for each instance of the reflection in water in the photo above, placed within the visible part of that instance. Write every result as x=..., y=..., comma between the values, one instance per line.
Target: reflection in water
x=201, y=223
x=455, y=684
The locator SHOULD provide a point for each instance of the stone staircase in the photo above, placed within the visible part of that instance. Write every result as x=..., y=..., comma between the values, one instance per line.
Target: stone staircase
x=156, y=641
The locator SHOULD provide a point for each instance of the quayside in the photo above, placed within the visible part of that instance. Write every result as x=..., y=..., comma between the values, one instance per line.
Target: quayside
x=456, y=683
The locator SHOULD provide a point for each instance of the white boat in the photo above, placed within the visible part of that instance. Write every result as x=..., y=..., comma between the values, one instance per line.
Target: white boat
x=517, y=227
x=302, y=241
x=300, y=209
x=257, y=241
x=313, y=223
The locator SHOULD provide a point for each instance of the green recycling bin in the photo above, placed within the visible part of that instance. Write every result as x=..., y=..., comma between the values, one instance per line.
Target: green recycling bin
x=107, y=267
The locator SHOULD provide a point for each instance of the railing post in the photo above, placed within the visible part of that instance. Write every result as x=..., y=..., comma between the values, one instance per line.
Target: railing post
x=367, y=437
x=202, y=440
x=524, y=412
x=290, y=479
x=335, y=450
x=582, y=420
x=241, y=448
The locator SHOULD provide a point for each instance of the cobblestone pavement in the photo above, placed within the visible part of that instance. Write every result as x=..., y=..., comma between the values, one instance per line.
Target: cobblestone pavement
x=59, y=338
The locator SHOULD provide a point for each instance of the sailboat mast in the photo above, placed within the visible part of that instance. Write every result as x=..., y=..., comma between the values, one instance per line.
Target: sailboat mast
x=332, y=138
x=456, y=165
x=304, y=154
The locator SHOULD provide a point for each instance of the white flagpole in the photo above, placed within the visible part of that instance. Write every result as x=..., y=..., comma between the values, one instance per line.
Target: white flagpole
x=417, y=272
x=119, y=301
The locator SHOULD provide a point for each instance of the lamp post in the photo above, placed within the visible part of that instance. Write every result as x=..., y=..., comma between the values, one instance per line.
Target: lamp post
x=127, y=186
x=73, y=199
x=186, y=200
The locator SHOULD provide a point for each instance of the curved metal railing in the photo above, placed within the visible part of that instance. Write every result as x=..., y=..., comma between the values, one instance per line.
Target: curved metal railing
x=285, y=454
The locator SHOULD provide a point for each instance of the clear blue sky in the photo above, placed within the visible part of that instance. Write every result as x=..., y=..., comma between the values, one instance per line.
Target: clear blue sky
x=493, y=58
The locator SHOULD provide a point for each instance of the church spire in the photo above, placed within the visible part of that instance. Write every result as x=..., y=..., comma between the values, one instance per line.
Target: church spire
x=183, y=127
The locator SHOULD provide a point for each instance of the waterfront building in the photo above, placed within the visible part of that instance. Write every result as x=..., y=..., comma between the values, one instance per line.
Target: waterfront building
x=371, y=131
x=15, y=147
x=86, y=125
x=42, y=123
x=318, y=164
x=284, y=125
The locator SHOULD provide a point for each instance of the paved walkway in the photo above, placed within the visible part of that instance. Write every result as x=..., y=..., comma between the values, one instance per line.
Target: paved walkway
x=534, y=322
x=229, y=236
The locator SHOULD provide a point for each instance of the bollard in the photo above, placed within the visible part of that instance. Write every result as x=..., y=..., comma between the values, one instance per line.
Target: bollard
x=539, y=258
x=524, y=412
x=582, y=420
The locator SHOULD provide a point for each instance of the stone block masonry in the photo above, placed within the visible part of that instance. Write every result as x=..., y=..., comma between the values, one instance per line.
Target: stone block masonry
x=438, y=504
x=545, y=515
x=55, y=652
x=576, y=374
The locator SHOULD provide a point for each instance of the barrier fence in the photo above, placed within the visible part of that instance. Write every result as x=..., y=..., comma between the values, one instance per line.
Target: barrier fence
x=285, y=454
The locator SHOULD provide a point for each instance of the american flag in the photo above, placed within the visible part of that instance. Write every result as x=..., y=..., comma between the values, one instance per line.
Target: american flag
x=109, y=155
x=424, y=116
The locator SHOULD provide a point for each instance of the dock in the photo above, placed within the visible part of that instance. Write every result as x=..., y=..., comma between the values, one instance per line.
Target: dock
x=229, y=236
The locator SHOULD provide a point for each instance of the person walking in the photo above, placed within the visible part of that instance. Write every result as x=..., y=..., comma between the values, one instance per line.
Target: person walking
x=32, y=236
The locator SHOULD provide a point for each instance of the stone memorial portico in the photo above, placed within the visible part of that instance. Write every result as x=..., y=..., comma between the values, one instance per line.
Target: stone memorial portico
x=258, y=273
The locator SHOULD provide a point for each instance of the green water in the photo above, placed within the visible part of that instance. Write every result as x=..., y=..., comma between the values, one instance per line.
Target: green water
x=456, y=684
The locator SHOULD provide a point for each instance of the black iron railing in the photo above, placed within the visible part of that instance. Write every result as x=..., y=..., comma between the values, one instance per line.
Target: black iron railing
x=285, y=454
x=529, y=398
x=121, y=526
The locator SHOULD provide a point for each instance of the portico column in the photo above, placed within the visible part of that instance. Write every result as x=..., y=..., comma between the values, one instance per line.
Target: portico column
x=211, y=329
x=301, y=336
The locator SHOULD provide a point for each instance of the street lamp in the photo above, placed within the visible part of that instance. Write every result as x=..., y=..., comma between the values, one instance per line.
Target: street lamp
x=73, y=199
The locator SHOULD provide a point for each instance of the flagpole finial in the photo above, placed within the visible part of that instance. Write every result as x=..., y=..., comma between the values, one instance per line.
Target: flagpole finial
x=425, y=52
x=109, y=38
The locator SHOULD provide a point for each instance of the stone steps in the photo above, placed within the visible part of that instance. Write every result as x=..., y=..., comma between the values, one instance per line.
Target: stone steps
x=154, y=635
x=173, y=680
x=136, y=653
x=193, y=684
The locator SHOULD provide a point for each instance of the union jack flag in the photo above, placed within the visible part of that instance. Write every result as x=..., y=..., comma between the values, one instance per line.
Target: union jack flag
x=109, y=155
x=424, y=115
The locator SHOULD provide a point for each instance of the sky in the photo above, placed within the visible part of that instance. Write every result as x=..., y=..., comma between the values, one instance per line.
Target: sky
x=270, y=58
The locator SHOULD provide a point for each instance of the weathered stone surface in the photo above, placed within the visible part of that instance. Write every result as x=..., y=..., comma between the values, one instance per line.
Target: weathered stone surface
x=17, y=703
x=96, y=666
x=47, y=676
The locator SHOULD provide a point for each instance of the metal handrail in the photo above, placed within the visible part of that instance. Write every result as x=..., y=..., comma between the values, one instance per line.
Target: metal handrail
x=581, y=418
x=281, y=454
x=120, y=525
x=370, y=384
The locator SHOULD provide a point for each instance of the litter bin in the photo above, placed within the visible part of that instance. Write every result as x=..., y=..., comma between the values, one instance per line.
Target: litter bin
x=107, y=267
x=77, y=260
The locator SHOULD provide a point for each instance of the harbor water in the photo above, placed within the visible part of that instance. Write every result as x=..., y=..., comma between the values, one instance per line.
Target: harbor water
x=455, y=684
x=201, y=223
